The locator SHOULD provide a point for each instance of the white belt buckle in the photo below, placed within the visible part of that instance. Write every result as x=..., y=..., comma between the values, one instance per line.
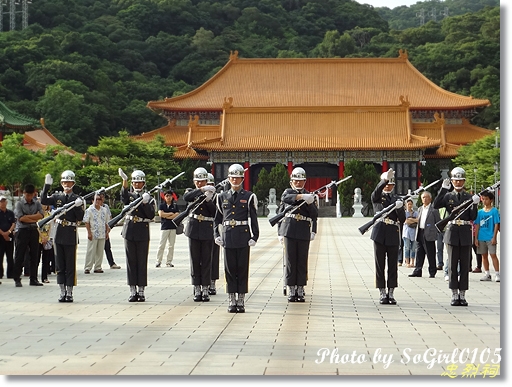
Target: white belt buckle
x=232, y=222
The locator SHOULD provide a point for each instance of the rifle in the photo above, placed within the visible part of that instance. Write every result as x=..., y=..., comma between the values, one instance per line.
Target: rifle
x=386, y=211
x=195, y=204
x=133, y=205
x=277, y=218
x=62, y=210
x=461, y=208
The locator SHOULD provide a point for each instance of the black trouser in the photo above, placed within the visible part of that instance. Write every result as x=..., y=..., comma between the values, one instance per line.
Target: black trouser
x=65, y=262
x=7, y=249
x=236, y=267
x=108, y=252
x=47, y=258
x=137, y=262
x=200, y=261
x=215, y=261
x=459, y=255
x=296, y=252
x=428, y=248
x=26, y=239
x=380, y=253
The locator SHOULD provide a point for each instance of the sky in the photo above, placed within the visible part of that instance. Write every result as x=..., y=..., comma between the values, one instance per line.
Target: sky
x=388, y=3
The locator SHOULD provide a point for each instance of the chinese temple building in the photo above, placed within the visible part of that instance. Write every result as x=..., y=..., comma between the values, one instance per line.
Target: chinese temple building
x=318, y=114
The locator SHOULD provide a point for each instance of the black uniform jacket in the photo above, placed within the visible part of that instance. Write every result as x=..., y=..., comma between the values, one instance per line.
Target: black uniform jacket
x=382, y=232
x=198, y=227
x=457, y=235
x=298, y=227
x=137, y=229
x=243, y=209
x=66, y=234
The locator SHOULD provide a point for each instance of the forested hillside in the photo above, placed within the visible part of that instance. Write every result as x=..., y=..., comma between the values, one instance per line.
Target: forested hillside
x=89, y=67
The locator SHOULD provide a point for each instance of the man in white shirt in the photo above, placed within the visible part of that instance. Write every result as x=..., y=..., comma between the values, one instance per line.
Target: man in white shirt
x=426, y=236
x=96, y=221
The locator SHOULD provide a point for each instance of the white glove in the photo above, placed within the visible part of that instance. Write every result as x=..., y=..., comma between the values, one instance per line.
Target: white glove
x=476, y=199
x=280, y=239
x=122, y=174
x=313, y=234
x=145, y=197
x=446, y=184
x=251, y=242
x=48, y=179
x=390, y=175
x=209, y=195
x=219, y=241
x=78, y=202
x=208, y=188
x=308, y=198
x=399, y=204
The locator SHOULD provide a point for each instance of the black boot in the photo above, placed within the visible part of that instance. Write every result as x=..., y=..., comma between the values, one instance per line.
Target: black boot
x=232, y=303
x=300, y=294
x=292, y=296
x=62, y=297
x=69, y=293
x=391, y=298
x=205, y=296
x=240, y=305
x=197, y=293
x=383, y=296
x=134, y=297
x=455, y=298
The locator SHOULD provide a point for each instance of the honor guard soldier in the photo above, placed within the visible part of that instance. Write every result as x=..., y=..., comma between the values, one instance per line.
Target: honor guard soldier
x=66, y=236
x=199, y=230
x=215, y=248
x=458, y=234
x=237, y=213
x=386, y=236
x=298, y=229
x=136, y=233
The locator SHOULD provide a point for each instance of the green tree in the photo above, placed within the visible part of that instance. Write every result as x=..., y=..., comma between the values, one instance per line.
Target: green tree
x=277, y=178
x=335, y=45
x=365, y=177
x=484, y=156
x=20, y=166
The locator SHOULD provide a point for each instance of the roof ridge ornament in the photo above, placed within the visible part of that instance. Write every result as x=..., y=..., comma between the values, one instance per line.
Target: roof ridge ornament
x=404, y=101
x=439, y=119
x=233, y=55
x=402, y=54
x=228, y=103
x=193, y=122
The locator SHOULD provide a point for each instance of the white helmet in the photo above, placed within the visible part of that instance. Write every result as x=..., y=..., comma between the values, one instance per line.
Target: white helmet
x=138, y=176
x=458, y=173
x=211, y=179
x=67, y=176
x=298, y=174
x=200, y=174
x=236, y=170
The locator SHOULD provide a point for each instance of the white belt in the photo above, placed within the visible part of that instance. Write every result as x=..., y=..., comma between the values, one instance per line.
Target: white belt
x=388, y=221
x=298, y=217
x=136, y=219
x=233, y=223
x=201, y=218
x=64, y=223
x=459, y=222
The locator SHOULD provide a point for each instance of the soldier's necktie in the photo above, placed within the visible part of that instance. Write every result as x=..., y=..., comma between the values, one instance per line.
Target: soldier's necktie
x=235, y=194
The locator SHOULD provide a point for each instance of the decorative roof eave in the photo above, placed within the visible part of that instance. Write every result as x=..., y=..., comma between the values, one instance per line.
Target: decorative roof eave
x=268, y=82
x=16, y=121
x=446, y=151
x=189, y=153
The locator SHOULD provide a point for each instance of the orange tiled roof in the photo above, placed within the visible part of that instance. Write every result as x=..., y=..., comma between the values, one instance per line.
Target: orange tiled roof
x=318, y=129
x=38, y=139
x=318, y=82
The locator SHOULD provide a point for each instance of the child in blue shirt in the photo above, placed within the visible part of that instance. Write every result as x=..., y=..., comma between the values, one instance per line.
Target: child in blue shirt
x=487, y=225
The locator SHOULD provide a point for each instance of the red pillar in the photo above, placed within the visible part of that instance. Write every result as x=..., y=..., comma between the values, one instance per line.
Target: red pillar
x=419, y=173
x=290, y=167
x=246, y=176
x=384, y=165
x=213, y=169
x=341, y=169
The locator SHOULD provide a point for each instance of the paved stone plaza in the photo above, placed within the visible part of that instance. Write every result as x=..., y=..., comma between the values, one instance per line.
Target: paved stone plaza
x=170, y=334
